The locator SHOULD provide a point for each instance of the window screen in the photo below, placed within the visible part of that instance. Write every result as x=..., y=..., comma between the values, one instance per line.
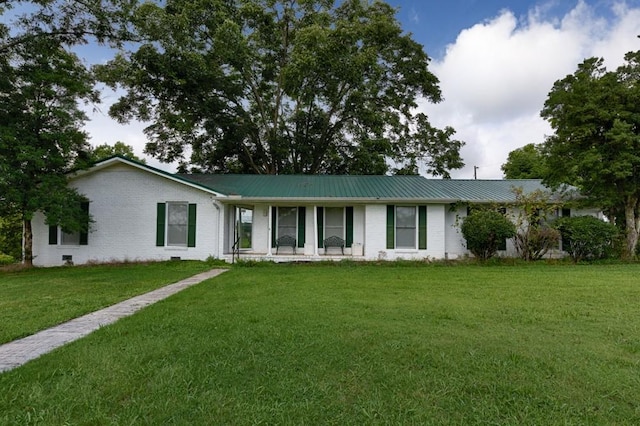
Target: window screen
x=405, y=227
x=287, y=221
x=334, y=222
x=177, y=220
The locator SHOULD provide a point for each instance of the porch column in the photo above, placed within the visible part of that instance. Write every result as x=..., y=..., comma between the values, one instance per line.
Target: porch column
x=270, y=233
x=315, y=230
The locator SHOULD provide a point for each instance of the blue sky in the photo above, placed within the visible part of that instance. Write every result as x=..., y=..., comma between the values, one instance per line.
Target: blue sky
x=496, y=61
x=437, y=23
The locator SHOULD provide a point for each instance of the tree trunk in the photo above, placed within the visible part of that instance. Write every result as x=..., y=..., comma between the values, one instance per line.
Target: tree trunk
x=632, y=222
x=28, y=243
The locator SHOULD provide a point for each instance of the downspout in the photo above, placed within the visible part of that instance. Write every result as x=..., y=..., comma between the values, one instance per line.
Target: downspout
x=220, y=231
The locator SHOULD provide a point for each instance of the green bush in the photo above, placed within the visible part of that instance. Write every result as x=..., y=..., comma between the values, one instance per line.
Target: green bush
x=533, y=242
x=586, y=237
x=5, y=259
x=484, y=231
x=11, y=236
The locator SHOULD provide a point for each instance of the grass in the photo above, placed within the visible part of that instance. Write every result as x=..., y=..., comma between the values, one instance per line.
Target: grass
x=533, y=344
x=34, y=299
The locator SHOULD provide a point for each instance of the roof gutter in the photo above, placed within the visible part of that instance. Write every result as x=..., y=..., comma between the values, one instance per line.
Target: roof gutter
x=341, y=200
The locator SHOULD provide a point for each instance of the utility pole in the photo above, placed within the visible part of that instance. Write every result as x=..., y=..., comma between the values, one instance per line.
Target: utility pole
x=475, y=170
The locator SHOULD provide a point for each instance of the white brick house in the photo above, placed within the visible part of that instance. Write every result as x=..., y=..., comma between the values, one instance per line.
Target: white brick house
x=142, y=213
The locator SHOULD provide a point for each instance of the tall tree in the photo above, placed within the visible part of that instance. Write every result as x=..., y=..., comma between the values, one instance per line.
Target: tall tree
x=70, y=23
x=39, y=135
x=596, y=146
x=41, y=86
x=526, y=162
x=105, y=150
x=281, y=86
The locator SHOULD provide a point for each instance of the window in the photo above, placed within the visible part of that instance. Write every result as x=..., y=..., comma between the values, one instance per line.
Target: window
x=287, y=221
x=176, y=224
x=405, y=227
x=334, y=222
x=78, y=238
x=70, y=239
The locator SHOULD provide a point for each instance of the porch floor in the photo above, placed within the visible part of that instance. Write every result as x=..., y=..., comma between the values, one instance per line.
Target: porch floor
x=289, y=257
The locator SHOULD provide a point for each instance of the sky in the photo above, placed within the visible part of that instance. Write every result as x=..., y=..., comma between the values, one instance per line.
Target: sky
x=496, y=61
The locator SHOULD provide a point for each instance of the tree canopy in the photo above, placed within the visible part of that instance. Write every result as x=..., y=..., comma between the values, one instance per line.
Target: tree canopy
x=526, y=162
x=281, y=86
x=105, y=150
x=42, y=84
x=595, y=114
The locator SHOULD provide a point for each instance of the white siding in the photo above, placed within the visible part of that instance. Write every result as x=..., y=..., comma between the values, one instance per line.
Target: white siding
x=436, y=226
x=455, y=245
x=375, y=236
x=359, y=222
x=261, y=228
x=123, y=203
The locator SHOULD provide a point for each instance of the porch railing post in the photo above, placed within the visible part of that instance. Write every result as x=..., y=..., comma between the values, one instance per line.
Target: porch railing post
x=315, y=230
x=270, y=233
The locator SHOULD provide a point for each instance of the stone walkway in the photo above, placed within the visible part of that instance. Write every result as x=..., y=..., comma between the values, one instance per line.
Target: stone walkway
x=19, y=352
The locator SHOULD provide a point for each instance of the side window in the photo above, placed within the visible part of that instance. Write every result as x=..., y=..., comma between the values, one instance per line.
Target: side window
x=70, y=239
x=176, y=224
x=78, y=238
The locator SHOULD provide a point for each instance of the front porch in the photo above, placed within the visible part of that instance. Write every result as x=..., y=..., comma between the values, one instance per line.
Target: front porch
x=293, y=233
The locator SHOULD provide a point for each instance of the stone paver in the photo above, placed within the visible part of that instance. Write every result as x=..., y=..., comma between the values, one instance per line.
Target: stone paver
x=18, y=352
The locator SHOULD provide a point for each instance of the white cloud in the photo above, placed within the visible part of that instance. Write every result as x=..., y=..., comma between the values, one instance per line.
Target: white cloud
x=103, y=129
x=496, y=76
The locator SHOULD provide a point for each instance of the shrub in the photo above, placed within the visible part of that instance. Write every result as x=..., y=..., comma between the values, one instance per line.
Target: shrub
x=5, y=259
x=586, y=237
x=11, y=236
x=535, y=241
x=484, y=231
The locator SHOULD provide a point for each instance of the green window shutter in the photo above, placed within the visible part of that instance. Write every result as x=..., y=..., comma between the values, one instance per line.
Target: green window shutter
x=320, y=226
x=422, y=227
x=391, y=227
x=274, y=223
x=191, y=226
x=160, y=223
x=349, y=226
x=84, y=235
x=53, y=235
x=302, y=211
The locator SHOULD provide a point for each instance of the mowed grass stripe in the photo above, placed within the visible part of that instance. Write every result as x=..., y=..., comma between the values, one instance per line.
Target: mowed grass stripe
x=304, y=344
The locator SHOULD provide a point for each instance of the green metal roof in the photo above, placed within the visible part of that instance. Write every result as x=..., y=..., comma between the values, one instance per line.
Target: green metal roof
x=300, y=187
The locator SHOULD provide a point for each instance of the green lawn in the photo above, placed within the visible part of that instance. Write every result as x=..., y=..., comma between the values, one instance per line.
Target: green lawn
x=31, y=300
x=532, y=344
